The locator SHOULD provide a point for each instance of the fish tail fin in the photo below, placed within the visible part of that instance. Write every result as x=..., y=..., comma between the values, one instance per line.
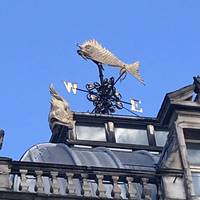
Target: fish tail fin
x=134, y=70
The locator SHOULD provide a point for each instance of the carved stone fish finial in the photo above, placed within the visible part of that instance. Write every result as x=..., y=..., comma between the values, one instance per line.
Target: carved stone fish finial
x=59, y=110
x=92, y=50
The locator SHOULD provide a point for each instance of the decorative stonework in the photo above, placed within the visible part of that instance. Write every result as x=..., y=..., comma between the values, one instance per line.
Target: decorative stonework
x=197, y=88
x=59, y=110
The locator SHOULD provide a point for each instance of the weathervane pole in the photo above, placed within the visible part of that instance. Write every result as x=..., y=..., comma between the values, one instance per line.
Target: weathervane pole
x=100, y=67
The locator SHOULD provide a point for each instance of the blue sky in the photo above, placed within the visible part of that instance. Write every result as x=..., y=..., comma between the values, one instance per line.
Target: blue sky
x=38, y=47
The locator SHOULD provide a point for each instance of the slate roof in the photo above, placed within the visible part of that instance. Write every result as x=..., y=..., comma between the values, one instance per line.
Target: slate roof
x=97, y=157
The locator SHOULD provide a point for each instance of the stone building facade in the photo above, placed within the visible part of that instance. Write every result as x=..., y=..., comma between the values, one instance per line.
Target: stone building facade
x=95, y=156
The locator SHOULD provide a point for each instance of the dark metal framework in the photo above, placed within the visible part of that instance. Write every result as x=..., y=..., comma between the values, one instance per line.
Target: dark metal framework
x=106, y=99
x=69, y=136
x=104, y=95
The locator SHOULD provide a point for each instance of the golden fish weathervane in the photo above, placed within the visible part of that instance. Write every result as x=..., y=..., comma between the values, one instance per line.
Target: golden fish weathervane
x=92, y=50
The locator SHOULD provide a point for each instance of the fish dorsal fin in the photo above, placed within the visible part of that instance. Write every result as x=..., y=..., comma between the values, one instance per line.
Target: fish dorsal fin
x=93, y=43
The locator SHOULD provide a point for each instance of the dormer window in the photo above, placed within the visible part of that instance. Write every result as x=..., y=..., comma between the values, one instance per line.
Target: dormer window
x=131, y=136
x=118, y=132
x=93, y=133
x=161, y=137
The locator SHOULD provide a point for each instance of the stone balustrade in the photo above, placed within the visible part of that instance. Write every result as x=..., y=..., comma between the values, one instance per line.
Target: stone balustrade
x=82, y=181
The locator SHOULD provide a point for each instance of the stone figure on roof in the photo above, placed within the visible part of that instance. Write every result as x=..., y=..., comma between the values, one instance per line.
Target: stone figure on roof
x=59, y=109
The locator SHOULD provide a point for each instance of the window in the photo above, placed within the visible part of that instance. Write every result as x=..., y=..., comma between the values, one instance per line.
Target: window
x=161, y=137
x=90, y=133
x=196, y=182
x=193, y=150
x=193, y=153
x=131, y=136
x=118, y=133
x=192, y=137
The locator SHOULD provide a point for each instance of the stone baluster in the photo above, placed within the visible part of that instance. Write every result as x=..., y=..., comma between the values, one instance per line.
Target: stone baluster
x=4, y=176
x=146, y=189
x=116, y=191
x=23, y=184
x=55, y=185
x=132, y=192
x=101, y=190
x=71, y=189
x=39, y=186
x=86, y=189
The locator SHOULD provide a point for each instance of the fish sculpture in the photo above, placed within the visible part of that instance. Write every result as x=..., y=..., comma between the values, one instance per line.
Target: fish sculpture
x=60, y=110
x=92, y=50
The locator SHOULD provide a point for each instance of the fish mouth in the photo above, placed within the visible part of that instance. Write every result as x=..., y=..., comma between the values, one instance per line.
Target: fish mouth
x=81, y=53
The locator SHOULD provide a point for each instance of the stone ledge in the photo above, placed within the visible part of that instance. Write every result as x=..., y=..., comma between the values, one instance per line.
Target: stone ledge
x=6, y=195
